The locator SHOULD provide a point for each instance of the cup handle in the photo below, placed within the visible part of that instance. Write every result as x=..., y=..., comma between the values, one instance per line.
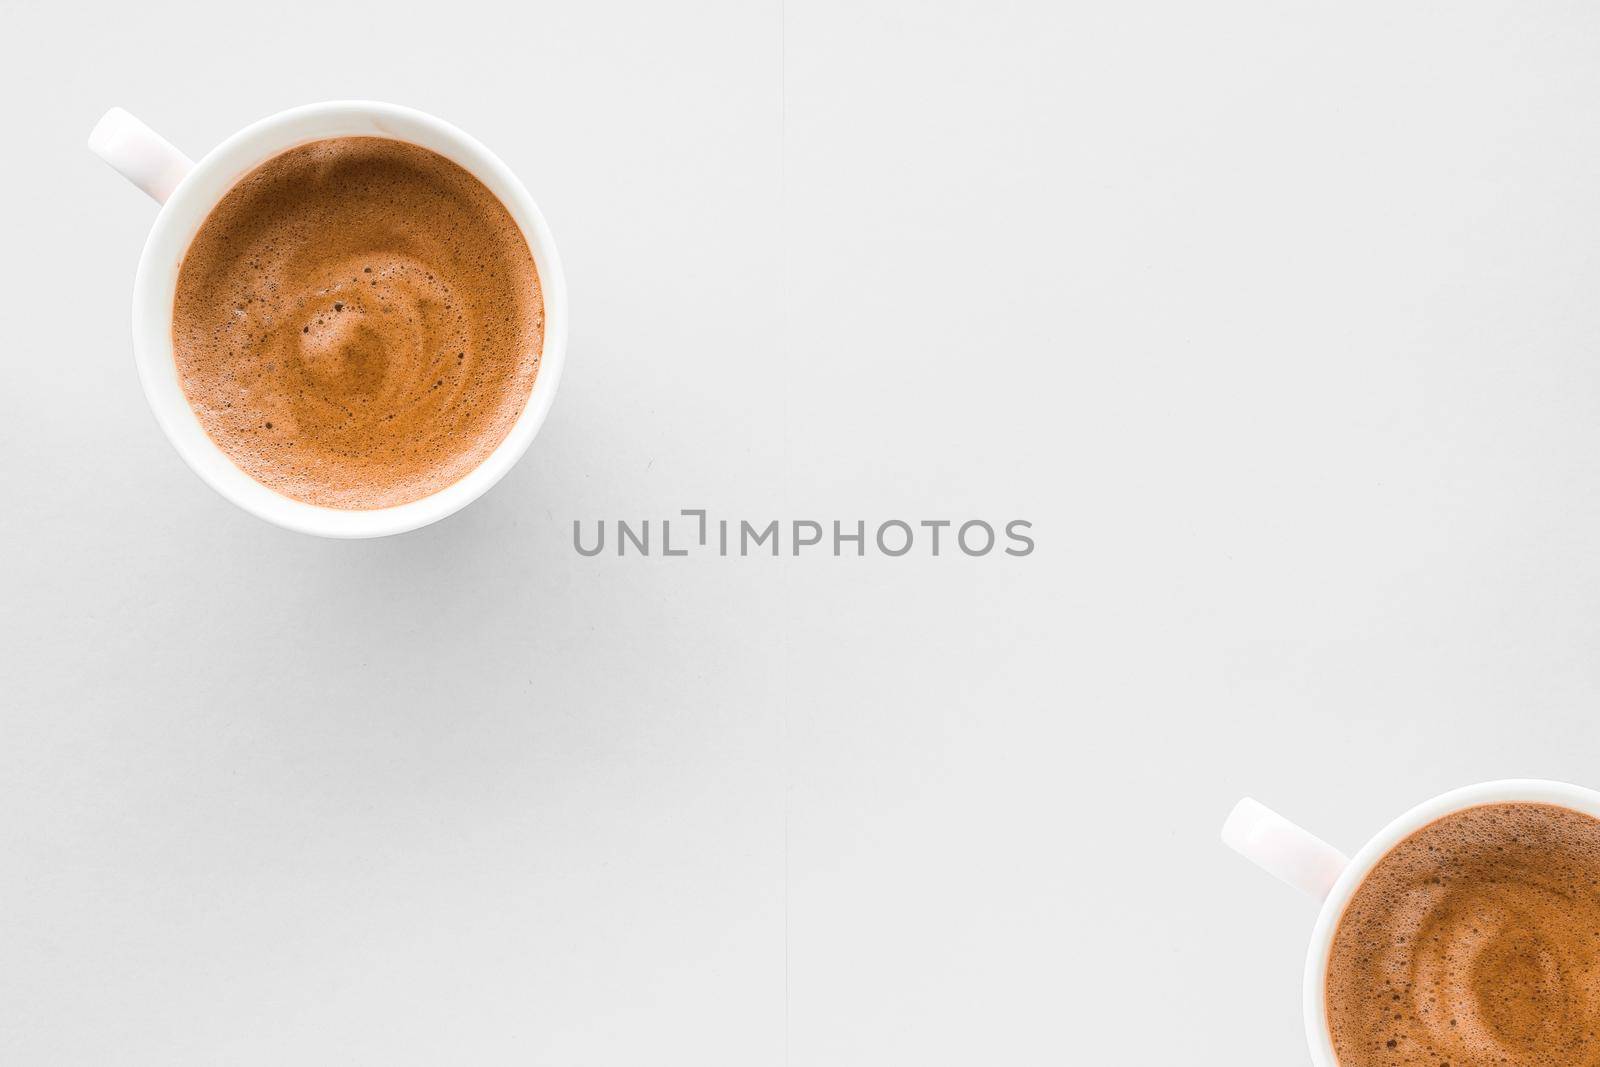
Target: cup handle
x=1281, y=848
x=139, y=154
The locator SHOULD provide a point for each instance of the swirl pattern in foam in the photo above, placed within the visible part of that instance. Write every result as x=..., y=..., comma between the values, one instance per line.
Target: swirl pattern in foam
x=1475, y=941
x=358, y=323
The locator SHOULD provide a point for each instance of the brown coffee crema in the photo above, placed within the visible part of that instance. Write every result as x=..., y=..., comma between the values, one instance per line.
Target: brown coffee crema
x=358, y=323
x=1475, y=941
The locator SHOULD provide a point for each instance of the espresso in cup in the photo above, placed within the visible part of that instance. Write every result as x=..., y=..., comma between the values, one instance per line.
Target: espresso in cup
x=358, y=323
x=1474, y=941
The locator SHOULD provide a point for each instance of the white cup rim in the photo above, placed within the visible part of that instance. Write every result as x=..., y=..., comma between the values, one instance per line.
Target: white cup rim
x=1509, y=790
x=181, y=216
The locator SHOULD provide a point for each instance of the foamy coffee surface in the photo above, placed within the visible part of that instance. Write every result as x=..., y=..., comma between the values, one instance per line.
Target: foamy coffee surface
x=358, y=323
x=1475, y=941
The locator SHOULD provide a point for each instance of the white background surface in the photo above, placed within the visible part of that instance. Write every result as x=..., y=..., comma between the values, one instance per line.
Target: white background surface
x=1278, y=321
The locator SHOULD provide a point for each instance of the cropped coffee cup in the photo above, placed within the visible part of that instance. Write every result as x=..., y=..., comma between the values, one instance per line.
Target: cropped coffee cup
x=1309, y=864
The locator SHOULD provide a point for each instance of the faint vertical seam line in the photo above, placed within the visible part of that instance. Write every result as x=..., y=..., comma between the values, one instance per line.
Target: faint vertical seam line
x=788, y=461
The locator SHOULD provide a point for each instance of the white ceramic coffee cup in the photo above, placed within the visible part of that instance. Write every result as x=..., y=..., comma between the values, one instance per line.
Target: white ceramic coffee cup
x=188, y=191
x=1306, y=862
